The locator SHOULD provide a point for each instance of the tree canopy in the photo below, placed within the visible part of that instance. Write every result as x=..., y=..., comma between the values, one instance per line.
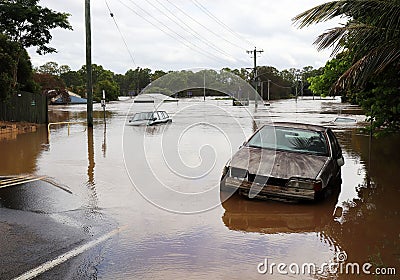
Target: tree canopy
x=372, y=33
x=8, y=61
x=370, y=43
x=29, y=24
x=26, y=24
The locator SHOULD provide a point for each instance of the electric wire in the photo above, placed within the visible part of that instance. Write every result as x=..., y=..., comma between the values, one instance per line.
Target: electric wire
x=120, y=32
x=221, y=23
x=180, y=38
x=205, y=27
x=189, y=29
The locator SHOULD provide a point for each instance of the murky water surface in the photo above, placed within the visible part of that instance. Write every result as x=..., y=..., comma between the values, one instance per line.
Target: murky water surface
x=146, y=178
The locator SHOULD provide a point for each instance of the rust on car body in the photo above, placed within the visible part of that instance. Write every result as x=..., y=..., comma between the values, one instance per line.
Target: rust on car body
x=285, y=161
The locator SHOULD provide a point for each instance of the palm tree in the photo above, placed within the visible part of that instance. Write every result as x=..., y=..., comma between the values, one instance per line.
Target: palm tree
x=371, y=34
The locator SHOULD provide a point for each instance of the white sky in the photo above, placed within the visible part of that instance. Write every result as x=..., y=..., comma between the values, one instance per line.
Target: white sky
x=198, y=41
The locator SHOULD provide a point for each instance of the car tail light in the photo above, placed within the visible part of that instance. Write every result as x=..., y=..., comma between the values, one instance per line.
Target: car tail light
x=317, y=186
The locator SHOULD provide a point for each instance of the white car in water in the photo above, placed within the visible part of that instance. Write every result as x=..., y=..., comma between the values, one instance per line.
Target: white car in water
x=150, y=118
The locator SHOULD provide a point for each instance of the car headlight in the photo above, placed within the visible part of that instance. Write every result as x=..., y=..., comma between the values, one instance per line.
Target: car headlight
x=315, y=185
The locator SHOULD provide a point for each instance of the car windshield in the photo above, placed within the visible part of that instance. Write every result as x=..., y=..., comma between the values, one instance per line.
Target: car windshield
x=142, y=116
x=290, y=139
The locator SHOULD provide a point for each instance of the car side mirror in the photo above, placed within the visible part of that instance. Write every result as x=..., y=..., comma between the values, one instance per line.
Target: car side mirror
x=340, y=161
x=154, y=119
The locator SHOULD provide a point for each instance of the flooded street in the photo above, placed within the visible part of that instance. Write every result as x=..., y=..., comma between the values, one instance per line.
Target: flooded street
x=156, y=190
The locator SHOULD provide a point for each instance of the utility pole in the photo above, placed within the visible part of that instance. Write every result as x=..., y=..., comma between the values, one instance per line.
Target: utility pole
x=268, y=88
x=255, y=71
x=89, y=86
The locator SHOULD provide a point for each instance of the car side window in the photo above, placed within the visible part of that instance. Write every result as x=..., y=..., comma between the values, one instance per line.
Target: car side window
x=155, y=116
x=336, y=151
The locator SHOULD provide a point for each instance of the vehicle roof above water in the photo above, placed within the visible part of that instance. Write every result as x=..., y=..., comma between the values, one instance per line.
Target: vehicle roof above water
x=150, y=112
x=304, y=126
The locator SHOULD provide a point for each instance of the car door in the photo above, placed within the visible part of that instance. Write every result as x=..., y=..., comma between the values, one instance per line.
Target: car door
x=336, y=151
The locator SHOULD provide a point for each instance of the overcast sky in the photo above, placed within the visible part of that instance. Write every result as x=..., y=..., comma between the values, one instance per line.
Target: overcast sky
x=186, y=34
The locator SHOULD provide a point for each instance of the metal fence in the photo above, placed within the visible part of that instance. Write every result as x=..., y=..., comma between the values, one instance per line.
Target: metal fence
x=25, y=107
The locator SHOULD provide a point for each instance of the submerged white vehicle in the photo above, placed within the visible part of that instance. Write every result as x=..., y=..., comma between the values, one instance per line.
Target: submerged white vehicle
x=150, y=118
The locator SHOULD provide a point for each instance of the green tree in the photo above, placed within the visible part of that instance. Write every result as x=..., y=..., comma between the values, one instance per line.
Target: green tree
x=135, y=80
x=53, y=68
x=371, y=37
x=242, y=73
x=28, y=24
x=50, y=68
x=157, y=74
x=102, y=80
x=74, y=82
x=372, y=34
x=279, y=87
x=9, y=61
x=323, y=84
x=110, y=87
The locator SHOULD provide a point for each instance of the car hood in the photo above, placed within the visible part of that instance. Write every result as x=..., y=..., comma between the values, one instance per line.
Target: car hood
x=278, y=164
x=138, y=122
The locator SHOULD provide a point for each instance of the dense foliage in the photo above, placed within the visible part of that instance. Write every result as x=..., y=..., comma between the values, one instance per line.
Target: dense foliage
x=367, y=49
x=11, y=58
x=27, y=24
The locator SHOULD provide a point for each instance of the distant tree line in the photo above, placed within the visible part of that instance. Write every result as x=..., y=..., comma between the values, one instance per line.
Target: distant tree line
x=282, y=84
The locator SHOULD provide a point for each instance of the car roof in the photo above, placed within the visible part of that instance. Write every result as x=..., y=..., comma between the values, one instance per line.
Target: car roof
x=297, y=125
x=148, y=112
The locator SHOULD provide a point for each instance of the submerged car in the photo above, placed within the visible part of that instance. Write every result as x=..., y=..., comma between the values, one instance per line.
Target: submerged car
x=286, y=161
x=150, y=118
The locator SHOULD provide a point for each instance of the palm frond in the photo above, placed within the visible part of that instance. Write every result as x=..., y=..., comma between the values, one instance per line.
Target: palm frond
x=354, y=33
x=319, y=13
x=371, y=64
x=372, y=35
x=388, y=12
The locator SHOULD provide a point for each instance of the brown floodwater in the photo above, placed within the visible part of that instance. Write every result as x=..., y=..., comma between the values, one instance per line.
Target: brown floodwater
x=161, y=185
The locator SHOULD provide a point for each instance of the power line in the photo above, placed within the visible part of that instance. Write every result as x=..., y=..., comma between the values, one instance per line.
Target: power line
x=122, y=36
x=221, y=23
x=205, y=27
x=177, y=36
x=188, y=29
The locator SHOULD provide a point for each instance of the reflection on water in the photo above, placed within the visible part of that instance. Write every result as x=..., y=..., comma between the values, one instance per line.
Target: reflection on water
x=271, y=217
x=104, y=145
x=91, y=184
x=18, y=156
x=372, y=217
x=91, y=163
